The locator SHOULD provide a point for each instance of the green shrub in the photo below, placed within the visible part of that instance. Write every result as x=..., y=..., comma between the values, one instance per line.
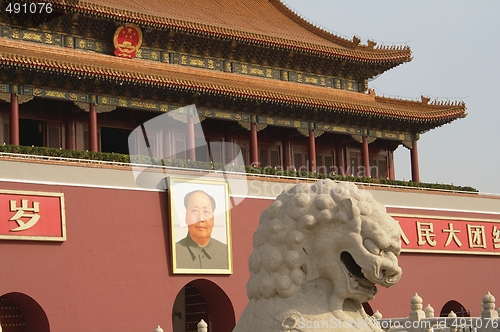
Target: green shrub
x=123, y=158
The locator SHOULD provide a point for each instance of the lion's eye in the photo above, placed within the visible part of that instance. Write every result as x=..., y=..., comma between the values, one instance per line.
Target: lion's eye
x=371, y=247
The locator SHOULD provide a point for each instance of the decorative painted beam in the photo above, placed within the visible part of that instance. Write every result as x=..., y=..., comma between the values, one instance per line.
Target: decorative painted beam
x=109, y=103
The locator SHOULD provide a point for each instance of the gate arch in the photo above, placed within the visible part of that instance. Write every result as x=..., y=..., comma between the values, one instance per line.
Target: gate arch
x=456, y=307
x=220, y=312
x=27, y=312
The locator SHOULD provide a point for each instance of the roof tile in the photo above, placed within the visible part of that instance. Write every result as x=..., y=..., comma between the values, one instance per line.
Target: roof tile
x=16, y=53
x=268, y=22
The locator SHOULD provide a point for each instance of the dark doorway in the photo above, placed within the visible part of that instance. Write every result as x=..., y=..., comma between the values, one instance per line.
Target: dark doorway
x=190, y=308
x=456, y=307
x=114, y=140
x=202, y=299
x=11, y=317
x=30, y=132
x=21, y=313
x=196, y=308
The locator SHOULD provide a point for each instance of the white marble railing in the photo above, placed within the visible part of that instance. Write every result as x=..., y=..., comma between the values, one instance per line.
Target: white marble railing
x=423, y=320
x=202, y=327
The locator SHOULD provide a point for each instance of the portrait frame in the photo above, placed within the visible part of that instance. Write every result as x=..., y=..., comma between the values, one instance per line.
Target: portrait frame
x=181, y=255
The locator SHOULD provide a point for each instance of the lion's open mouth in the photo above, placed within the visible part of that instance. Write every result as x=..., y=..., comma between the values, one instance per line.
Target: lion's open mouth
x=357, y=277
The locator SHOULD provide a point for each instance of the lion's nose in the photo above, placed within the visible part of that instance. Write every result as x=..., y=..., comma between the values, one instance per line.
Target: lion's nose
x=391, y=274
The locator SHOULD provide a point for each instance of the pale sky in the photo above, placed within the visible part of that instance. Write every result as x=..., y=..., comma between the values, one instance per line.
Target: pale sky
x=456, y=56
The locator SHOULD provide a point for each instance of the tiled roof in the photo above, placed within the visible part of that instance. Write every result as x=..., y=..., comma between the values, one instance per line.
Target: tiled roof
x=20, y=54
x=268, y=23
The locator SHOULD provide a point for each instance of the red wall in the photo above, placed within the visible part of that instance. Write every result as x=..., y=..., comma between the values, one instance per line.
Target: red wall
x=439, y=278
x=113, y=272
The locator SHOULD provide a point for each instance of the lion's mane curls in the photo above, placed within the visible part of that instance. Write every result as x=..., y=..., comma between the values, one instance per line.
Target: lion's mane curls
x=286, y=228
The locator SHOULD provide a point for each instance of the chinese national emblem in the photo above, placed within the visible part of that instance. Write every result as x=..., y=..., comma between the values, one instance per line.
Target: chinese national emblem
x=127, y=41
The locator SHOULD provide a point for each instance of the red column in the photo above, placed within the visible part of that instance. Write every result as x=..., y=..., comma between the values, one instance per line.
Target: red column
x=254, y=146
x=339, y=161
x=191, y=152
x=365, y=157
x=415, y=174
x=167, y=149
x=14, y=120
x=70, y=132
x=347, y=160
x=287, y=152
x=392, y=175
x=229, y=147
x=93, y=146
x=312, y=151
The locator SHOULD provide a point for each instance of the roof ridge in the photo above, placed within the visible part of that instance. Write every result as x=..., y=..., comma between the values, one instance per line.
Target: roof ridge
x=354, y=43
x=424, y=100
x=327, y=44
x=311, y=26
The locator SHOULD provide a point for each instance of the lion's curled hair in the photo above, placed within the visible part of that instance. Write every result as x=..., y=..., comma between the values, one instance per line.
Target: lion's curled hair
x=287, y=226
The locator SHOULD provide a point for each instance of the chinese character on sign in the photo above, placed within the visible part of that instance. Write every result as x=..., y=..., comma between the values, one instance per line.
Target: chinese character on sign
x=451, y=235
x=496, y=237
x=24, y=212
x=403, y=235
x=425, y=232
x=477, y=237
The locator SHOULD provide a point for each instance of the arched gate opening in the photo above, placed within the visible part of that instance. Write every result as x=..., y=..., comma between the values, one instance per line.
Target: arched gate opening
x=202, y=299
x=21, y=313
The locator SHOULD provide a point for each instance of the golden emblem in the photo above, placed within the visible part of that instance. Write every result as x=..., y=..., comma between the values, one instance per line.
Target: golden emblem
x=127, y=41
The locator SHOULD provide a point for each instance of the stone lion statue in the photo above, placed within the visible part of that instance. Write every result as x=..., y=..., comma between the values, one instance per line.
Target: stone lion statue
x=319, y=252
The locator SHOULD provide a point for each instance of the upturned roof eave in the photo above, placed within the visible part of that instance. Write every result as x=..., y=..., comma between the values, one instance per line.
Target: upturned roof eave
x=18, y=54
x=391, y=57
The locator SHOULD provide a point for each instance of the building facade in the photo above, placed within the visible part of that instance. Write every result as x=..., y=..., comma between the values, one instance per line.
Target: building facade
x=113, y=268
x=82, y=75
x=288, y=93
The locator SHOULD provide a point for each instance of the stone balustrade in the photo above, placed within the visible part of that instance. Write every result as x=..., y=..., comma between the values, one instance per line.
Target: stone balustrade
x=202, y=327
x=423, y=320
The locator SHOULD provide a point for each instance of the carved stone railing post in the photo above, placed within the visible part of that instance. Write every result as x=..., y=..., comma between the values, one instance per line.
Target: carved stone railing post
x=429, y=311
x=452, y=326
x=416, y=314
x=488, y=314
x=424, y=320
x=202, y=326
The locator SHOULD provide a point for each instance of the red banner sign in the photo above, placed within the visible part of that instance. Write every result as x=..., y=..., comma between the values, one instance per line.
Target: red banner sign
x=26, y=215
x=449, y=235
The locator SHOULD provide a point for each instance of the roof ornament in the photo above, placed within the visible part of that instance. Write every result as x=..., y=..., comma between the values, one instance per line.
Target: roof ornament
x=371, y=43
x=425, y=100
x=356, y=40
x=127, y=41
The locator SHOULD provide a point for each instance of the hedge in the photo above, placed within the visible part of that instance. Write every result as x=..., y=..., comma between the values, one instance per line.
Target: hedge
x=123, y=158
